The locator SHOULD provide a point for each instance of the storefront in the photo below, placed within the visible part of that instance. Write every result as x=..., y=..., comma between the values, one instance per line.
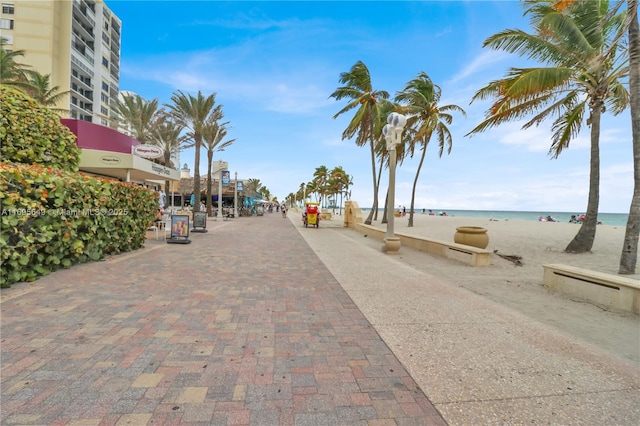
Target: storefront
x=108, y=153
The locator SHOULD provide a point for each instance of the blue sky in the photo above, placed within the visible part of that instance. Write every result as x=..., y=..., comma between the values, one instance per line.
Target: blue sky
x=273, y=66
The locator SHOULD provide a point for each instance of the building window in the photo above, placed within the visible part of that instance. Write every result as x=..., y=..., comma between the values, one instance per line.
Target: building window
x=105, y=62
x=105, y=38
x=7, y=8
x=104, y=98
x=104, y=111
x=8, y=39
x=105, y=87
x=6, y=24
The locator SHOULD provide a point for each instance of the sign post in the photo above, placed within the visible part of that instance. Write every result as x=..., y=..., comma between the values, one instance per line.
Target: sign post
x=199, y=222
x=179, y=230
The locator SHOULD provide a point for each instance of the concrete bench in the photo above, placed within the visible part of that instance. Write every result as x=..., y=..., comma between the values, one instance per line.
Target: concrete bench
x=610, y=290
x=470, y=255
x=325, y=216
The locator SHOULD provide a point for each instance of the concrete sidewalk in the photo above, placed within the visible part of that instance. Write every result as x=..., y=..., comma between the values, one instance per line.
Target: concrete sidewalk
x=477, y=361
x=261, y=321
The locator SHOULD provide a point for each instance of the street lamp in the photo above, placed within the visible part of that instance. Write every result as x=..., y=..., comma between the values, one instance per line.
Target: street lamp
x=392, y=132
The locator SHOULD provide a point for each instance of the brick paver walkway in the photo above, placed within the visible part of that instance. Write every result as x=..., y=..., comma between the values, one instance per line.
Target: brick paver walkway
x=243, y=326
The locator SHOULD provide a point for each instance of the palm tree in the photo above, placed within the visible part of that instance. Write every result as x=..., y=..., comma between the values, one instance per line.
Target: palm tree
x=138, y=114
x=252, y=186
x=320, y=178
x=419, y=100
x=629, y=256
x=38, y=87
x=11, y=71
x=341, y=180
x=213, y=133
x=166, y=134
x=264, y=193
x=360, y=93
x=192, y=112
x=303, y=192
x=580, y=43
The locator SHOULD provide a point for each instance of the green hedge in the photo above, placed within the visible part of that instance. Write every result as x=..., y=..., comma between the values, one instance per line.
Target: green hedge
x=31, y=133
x=53, y=218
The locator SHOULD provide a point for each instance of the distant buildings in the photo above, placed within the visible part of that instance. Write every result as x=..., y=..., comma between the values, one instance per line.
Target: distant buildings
x=78, y=43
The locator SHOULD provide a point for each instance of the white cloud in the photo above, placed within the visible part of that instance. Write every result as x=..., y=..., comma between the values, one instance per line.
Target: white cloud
x=482, y=62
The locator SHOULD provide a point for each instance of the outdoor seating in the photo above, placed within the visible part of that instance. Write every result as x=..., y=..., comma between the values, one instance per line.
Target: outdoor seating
x=160, y=228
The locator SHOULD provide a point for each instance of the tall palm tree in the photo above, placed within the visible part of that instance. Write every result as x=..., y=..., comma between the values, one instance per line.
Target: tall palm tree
x=303, y=191
x=419, y=101
x=359, y=91
x=166, y=133
x=38, y=86
x=12, y=72
x=320, y=179
x=580, y=42
x=213, y=134
x=629, y=256
x=138, y=114
x=341, y=181
x=192, y=112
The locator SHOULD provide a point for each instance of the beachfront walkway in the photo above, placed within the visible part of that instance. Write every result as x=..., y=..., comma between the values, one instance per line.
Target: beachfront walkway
x=245, y=325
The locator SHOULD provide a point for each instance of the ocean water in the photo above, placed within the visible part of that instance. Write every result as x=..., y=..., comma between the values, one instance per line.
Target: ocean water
x=614, y=219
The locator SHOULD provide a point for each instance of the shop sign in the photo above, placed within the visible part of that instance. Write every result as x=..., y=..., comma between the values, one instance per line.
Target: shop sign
x=147, y=151
x=110, y=159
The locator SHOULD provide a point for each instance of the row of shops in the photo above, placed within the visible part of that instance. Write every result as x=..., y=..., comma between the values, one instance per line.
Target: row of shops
x=110, y=154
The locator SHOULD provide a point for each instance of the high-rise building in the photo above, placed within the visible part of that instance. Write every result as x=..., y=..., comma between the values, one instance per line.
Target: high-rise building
x=77, y=42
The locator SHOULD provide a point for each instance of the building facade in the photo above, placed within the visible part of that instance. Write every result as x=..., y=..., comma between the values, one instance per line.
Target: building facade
x=77, y=42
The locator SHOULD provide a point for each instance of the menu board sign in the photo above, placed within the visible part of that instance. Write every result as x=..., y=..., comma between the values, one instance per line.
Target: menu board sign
x=179, y=226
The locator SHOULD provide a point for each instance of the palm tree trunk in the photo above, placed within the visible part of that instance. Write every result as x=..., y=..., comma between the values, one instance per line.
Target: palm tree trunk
x=415, y=183
x=209, y=183
x=385, y=212
x=629, y=256
x=375, y=186
x=375, y=214
x=196, y=174
x=583, y=241
x=167, y=161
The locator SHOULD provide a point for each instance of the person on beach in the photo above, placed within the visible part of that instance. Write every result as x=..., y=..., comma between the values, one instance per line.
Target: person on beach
x=284, y=210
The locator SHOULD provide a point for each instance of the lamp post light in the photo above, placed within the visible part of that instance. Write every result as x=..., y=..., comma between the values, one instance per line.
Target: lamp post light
x=392, y=132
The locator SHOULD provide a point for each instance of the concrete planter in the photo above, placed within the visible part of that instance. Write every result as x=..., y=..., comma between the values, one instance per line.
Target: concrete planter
x=474, y=236
x=391, y=245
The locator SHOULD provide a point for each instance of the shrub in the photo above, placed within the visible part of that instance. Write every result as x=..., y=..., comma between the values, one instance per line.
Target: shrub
x=52, y=219
x=31, y=133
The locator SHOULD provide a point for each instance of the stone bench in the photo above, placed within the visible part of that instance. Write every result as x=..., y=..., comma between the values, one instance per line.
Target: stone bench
x=600, y=288
x=325, y=216
x=467, y=254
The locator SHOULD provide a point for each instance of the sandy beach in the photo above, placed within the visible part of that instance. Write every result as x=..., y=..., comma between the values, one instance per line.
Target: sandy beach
x=520, y=287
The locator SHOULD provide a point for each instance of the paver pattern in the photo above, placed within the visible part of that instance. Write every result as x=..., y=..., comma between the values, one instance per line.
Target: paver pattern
x=244, y=326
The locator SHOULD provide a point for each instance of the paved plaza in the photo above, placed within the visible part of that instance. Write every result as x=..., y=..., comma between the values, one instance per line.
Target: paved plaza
x=263, y=322
x=245, y=325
